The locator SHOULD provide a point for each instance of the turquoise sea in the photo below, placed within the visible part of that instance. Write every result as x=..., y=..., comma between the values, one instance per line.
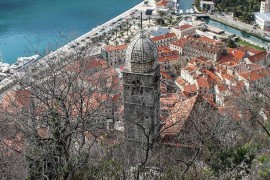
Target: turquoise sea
x=27, y=26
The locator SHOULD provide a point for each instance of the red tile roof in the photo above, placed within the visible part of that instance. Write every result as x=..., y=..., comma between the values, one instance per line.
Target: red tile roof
x=249, y=49
x=203, y=83
x=164, y=49
x=180, y=42
x=228, y=77
x=165, y=75
x=14, y=100
x=190, y=88
x=183, y=27
x=237, y=54
x=178, y=116
x=86, y=65
x=162, y=3
x=180, y=81
x=256, y=74
x=116, y=48
x=165, y=36
x=212, y=76
x=258, y=57
x=173, y=57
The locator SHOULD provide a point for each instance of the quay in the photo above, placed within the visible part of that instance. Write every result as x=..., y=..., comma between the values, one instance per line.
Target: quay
x=229, y=21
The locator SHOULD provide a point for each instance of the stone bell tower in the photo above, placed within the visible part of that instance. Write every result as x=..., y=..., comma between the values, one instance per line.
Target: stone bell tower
x=141, y=81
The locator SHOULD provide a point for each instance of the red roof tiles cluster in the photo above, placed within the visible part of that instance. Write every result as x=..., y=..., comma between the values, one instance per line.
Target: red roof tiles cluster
x=258, y=57
x=183, y=27
x=180, y=42
x=202, y=83
x=116, y=48
x=256, y=74
x=162, y=3
x=165, y=36
x=165, y=75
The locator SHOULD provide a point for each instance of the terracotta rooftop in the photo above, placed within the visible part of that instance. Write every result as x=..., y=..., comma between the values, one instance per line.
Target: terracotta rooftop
x=228, y=77
x=176, y=120
x=180, y=81
x=190, y=88
x=249, y=49
x=183, y=27
x=13, y=100
x=256, y=74
x=227, y=60
x=258, y=57
x=204, y=43
x=164, y=49
x=191, y=68
x=116, y=48
x=86, y=65
x=165, y=36
x=180, y=42
x=165, y=75
x=237, y=54
x=212, y=76
x=203, y=83
x=162, y=3
x=173, y=57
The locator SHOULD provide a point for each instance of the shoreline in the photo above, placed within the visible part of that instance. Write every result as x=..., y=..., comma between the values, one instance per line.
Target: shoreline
x=236, y=27
x=65, y=50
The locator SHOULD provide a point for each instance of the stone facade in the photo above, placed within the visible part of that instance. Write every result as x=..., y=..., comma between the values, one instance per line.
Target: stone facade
x=115, y=55
x=200, y=47
x=184, y=30
x=141, y=82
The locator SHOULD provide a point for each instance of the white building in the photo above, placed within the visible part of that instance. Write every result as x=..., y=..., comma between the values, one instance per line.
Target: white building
x=115, y=55
x=265, y=6
x=263, y=20
x=207, y=5
x=184, y=30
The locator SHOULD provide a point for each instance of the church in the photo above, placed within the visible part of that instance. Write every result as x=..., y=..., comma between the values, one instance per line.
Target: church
x=141, y=92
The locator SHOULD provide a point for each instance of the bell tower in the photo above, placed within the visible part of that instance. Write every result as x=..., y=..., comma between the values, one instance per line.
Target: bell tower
x=141, y=81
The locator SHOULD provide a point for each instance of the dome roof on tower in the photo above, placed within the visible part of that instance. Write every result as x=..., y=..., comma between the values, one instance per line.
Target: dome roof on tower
x=141, y=55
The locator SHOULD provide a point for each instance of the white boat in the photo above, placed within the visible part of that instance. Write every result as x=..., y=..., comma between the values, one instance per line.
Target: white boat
x=181, y=11
x=24, y=60
x=191, y=10
x=15, y=66
x=187, y=11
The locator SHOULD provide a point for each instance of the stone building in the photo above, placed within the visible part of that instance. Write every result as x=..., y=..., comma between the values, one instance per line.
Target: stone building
x=164, y=40
x=184, y=30
x=205, y=47
x=115, y=55
x=141, y=82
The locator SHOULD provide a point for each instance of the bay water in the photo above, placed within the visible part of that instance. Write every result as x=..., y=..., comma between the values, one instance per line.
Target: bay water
x=31, y=26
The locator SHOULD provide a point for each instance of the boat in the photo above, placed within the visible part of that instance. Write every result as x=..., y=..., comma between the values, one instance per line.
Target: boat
x=181, y=11
x=25, y=60
x=187, y=11
x=191, y=10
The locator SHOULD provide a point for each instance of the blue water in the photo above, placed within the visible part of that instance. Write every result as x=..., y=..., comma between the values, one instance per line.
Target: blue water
x=237, y=32
x=27, y=26
x=185, y=4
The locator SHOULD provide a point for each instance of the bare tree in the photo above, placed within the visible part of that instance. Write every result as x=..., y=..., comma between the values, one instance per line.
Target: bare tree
x=60, y=107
